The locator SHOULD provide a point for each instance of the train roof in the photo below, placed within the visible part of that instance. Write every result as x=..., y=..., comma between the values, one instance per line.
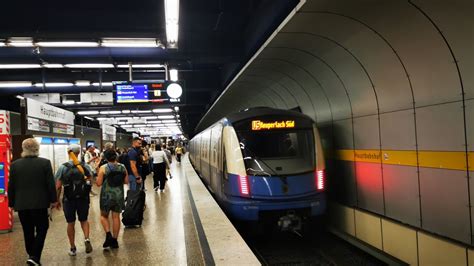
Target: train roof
x=262, y=111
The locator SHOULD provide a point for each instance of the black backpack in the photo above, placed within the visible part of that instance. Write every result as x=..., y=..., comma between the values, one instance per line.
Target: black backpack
x=114, y=177
x=75, y=186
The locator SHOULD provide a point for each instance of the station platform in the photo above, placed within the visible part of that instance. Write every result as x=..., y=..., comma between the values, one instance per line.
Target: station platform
x=182, y=226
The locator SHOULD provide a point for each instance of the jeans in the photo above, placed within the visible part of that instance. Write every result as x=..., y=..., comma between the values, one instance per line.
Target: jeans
x=35, y=225
x=132, y=182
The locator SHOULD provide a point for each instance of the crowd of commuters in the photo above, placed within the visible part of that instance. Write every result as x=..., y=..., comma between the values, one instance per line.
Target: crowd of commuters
x=34, y=189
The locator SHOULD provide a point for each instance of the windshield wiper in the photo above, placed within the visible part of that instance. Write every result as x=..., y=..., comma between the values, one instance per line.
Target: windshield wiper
x=255, y=157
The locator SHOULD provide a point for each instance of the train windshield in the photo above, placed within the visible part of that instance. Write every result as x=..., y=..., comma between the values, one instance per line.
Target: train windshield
x=279, y=152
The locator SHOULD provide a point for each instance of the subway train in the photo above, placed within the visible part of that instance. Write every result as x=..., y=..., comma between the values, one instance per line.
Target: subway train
x=263, y=164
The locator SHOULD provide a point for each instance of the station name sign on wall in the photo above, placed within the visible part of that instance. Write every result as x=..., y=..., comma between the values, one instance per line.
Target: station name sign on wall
x=48, y=119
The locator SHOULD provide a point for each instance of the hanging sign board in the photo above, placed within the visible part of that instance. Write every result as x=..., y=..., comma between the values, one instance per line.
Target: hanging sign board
x=48, y=120
x=109, y=132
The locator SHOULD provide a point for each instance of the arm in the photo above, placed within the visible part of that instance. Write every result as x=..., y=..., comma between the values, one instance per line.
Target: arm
x=53, y=196
x=11, y=188
x=133, y=166
x=166, y=160
x=100, y=177
x=59, y=184
x=125, y=180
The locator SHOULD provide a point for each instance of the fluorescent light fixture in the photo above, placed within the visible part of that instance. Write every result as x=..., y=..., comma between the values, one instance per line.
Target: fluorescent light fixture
x=20, y=42
x=162, y=110
x=15, y=84
x=110, y=112
x=172, y=21
x=129, y=42
x=173, y=74
x=125, y=111
x=102, y=118
x=67, y=44
x=88, y=117
x=82, y=83
x=176, y=108
x=153, y=122
x=126, y=126
x=53, y=65
x=142, y=66
x=168, y=121
x=19, y=66
x=20, y=97
x=104, y=84
x=68, y=102
x=139, y=125
x=165, y=117
x=54, y=84
x=90, y=65
x=2, y=43
x=150, y=117
x=141, y=111
x=88, y=112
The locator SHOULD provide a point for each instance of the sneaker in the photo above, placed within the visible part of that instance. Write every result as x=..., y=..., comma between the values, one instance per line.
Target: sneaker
x=32, y=261
x=72, y=252
x=108, y=240
x=114, y=243
x=88, y=245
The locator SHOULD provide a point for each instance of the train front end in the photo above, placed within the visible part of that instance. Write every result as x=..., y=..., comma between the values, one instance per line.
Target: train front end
x=284, y=176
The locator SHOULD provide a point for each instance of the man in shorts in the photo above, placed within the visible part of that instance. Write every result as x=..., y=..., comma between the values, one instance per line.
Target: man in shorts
x=75, y=178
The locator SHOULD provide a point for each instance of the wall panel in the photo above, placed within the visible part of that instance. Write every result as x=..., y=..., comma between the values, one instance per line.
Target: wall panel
x=444, y=203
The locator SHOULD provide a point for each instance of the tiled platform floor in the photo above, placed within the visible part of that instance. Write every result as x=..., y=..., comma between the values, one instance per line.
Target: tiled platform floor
x=166, y=238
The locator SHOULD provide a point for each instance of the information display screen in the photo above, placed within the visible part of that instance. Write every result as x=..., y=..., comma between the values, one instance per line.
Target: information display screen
x=2, y=178
x=143, y=93
x=132, y=93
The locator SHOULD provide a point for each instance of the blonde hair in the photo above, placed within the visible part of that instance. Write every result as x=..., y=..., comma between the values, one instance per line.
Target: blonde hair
x=30, y=148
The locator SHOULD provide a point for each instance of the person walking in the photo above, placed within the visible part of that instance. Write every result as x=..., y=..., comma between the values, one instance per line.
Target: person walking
x=133, y=164
x=31, y=192
x=160, y=165
x=112, y=176
x=179, y=152
x=75, y=177
x=170, y=159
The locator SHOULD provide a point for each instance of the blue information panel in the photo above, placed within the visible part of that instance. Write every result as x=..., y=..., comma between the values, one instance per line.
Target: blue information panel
x=132, y=93
x=2, y=178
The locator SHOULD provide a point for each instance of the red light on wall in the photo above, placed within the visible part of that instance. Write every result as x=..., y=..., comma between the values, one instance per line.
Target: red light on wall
x=244, y=185
x=320, y=180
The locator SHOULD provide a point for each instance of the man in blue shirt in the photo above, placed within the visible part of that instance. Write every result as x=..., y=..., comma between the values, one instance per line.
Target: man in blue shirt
x=134, y=166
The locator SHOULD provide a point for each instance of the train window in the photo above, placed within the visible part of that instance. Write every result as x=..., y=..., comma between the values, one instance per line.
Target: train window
x=275, y=153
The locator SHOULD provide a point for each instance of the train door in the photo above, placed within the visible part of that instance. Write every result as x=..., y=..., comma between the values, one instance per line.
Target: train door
x=215, y=163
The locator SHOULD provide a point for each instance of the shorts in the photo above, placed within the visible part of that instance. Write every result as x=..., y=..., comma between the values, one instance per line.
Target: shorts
x=76, y=206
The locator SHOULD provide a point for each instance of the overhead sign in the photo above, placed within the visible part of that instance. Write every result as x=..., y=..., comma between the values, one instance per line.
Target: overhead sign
x=4, y=122
x=109, y=132
x=147, y=92
x=48, y=119
x=260, y=125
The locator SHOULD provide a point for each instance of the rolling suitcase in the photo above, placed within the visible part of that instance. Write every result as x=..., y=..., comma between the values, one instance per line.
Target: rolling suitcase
x=134, y=208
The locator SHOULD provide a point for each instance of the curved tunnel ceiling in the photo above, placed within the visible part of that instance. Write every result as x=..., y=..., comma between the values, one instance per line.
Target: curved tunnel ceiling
x=383, y=76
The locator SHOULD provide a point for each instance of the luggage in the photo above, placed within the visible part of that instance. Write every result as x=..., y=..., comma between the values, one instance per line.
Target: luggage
x=134, y=208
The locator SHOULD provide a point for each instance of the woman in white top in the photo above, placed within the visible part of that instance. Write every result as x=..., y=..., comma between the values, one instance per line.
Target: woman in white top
x=160, y=165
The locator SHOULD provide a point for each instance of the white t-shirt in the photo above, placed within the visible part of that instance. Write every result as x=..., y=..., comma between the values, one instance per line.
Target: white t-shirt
x=159, y=157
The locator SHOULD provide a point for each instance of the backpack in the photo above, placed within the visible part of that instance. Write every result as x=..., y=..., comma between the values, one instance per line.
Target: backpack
x=114, y=177
x=75, y=186
x=123, y=159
